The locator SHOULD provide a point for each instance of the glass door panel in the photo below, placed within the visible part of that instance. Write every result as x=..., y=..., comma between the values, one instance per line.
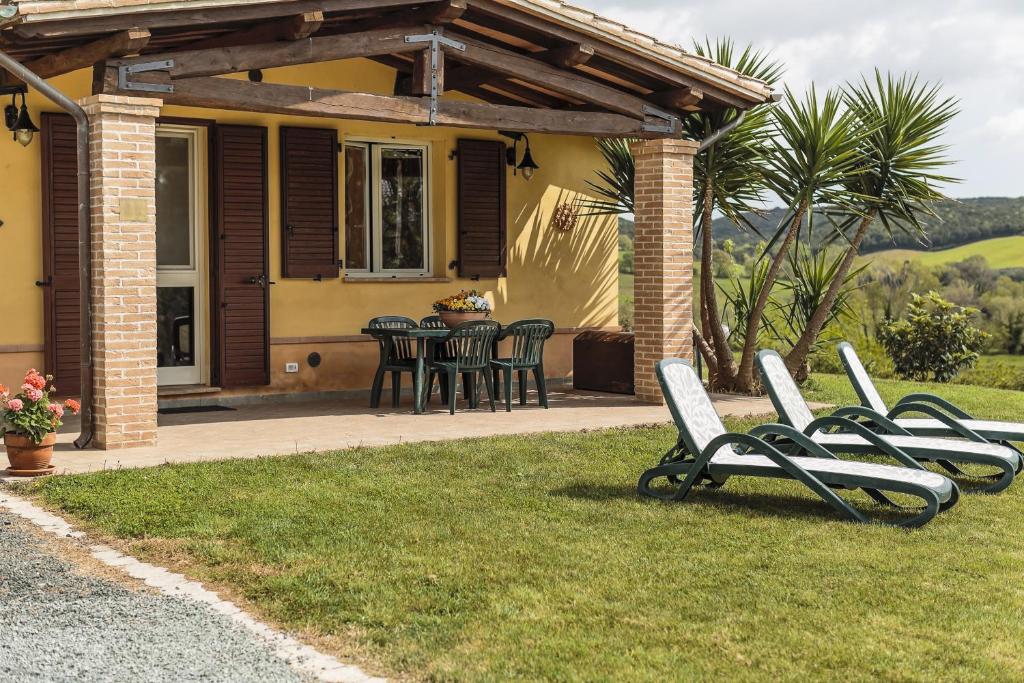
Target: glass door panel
x=179, y=276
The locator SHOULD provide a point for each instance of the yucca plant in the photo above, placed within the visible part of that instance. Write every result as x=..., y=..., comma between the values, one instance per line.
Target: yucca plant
x=740, y=296
x=810, y=277
x=813, y=162
x=615, y=191
x=899, y=171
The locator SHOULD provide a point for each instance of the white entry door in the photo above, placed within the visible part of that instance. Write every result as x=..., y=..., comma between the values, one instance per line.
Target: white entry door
x=180, y=257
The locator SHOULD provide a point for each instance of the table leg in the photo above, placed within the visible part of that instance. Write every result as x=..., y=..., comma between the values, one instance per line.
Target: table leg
x=418, y=377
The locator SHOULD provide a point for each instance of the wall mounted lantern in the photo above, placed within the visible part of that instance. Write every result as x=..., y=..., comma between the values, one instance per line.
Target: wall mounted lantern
x=528, y=166
x=17, y=119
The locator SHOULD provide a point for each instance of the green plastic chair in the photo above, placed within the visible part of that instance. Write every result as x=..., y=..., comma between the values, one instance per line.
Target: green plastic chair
x=879, y=435
x=468, y=351
x=396, y=356
x=528, y=338
x=706, y=453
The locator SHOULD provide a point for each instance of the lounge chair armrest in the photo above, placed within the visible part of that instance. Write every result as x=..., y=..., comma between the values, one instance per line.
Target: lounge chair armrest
x=785, y=463
x=851, y=427
x=944, y=418
x=803, y=441
x=872, y=416
x=936, y=401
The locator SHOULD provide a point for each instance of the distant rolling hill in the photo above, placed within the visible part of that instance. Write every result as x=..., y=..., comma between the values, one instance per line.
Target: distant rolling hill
x=1001, y=253
x=960, y=222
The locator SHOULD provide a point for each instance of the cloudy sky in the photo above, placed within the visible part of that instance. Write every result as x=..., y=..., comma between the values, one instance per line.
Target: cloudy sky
x=975, y=48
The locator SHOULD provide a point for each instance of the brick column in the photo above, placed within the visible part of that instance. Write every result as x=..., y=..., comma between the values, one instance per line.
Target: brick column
x=664, y=295
x=122, y=145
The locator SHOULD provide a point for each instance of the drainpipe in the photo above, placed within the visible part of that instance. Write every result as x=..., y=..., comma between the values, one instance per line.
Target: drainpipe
x=725, y=130
x=84, y=232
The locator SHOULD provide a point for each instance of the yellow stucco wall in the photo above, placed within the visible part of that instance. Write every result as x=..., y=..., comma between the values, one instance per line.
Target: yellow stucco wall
x=570, y=278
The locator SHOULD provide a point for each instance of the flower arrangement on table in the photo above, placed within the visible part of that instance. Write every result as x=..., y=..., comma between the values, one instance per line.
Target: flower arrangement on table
x=29, y=421
x=470, y=301
x=464, y=307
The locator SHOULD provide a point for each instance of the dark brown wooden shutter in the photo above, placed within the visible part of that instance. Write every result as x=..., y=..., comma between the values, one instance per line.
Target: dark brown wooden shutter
x=309, y=202
x=241, y=273
x=60, y=252
x=483, y=248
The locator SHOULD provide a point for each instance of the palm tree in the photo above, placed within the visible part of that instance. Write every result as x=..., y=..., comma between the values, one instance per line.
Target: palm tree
x=900, y=160
x=812, y=163
x=728, y=180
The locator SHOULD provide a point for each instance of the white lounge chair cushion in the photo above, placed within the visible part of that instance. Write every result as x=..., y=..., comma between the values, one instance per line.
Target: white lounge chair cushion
x=861, y=377
x=917, y=444
x=817, y=466
x=982, y=427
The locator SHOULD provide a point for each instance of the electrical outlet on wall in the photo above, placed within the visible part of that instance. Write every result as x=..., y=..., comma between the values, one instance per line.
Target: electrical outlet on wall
x=291, y=368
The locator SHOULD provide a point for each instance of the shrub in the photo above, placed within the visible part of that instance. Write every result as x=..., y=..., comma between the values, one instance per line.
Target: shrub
x=935, y=340
x=994, y=375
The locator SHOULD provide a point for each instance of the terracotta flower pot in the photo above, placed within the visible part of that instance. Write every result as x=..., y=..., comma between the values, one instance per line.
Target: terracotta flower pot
x=27, y=458
x=455, y=318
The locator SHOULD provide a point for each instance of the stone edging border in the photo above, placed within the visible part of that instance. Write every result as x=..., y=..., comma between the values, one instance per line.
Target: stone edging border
x=300, y=657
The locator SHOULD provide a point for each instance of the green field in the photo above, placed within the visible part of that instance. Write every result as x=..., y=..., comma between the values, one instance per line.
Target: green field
x=1003, y=252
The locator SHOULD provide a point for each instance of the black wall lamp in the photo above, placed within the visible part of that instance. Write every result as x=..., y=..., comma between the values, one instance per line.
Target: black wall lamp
x=18, y=120
x=528, y=166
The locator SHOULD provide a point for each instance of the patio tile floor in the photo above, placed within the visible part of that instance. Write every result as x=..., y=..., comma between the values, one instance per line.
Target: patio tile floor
x=285, y=427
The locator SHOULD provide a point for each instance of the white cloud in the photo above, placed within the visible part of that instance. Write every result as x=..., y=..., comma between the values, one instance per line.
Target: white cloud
x=973, y=47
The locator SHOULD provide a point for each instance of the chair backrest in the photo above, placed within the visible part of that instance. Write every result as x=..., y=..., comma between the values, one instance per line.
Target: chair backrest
x=471, y=344
x=783, y=390
x=861, y=380
x=433, y=322
x=528, y=337
x=691, y=407
x=400, y=349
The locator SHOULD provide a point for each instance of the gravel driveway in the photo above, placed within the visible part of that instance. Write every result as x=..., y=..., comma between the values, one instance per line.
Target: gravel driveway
x=59, y=624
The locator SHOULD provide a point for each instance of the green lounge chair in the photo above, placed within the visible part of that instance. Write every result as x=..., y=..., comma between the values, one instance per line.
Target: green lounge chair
x=839, y=434
x=705, y=452
x=943, y=418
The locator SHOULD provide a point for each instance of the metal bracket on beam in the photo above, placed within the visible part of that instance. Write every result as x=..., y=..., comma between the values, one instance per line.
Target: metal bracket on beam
x=436, y=40
x=126, y=70
x=665, y=122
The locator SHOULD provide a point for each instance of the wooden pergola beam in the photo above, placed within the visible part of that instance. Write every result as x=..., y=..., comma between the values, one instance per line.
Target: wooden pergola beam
x=121, y=44
x=513, y=17
x=295, y=27
x=561, y=57
x=510, y=64
x=682, y=99
x=569, y=56
x=227, y=60
x=439, y=13
x=104, y=23
x=235, y=94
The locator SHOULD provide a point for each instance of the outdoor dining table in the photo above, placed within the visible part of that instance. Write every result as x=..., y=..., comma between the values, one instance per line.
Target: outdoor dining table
x=420, y=336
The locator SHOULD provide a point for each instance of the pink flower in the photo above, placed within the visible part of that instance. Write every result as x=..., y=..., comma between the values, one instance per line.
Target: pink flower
x=27, y=387
x=35, y=380
x=56, y=409
x=15, y=405
x=34, y=394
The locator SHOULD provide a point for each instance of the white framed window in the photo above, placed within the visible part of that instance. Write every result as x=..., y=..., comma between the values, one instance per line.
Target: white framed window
x=387, y=209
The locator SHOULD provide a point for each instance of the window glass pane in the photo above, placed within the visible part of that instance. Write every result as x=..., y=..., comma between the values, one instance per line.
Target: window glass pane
x=357, y=202
x=173, y=203
x=175, y=326
x=402, y=210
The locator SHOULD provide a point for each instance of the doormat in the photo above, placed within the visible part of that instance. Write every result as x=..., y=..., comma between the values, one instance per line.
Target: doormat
x=195, y=409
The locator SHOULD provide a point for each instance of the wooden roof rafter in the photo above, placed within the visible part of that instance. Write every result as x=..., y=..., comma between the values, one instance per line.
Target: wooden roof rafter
x=509, y=54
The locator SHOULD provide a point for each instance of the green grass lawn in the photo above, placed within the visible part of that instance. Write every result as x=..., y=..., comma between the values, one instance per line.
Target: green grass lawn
x=532, y=557
x=1001, y=252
